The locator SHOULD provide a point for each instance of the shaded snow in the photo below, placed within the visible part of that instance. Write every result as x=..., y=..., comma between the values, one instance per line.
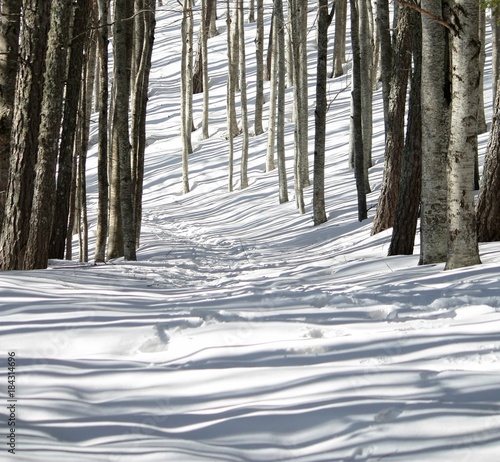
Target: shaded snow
x=243, y=333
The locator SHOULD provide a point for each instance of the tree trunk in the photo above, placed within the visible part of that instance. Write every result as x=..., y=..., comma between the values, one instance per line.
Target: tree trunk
x=340, y=36
x=463, y=249
x=273, y=86
x=37, y=252
x=259, y=74
x=319, y=210
x=10, y=21
x=405, y=223
x=243, y=95
x=25, y=129
x=384, y=30
x=139, y=109
x=199, y=64
x=488, y=206
x=204, y=72
x=121, y=128
x=394, y=142
x=65, y=163
x=102, y=143
x=186, y=89
x=435, y=99
x=357, y=124
x=280, y=124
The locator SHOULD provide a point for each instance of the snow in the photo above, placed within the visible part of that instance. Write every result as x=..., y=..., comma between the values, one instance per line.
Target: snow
x=243, y=332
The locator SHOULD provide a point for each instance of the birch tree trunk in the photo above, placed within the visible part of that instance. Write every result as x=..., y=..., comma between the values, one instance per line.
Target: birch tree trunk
x=186, y=90
x=435, y=100
x=243, y=95
x=280, y=124
x=340, y=36
x=463, y=249
x=273, y=84
x=259, y=74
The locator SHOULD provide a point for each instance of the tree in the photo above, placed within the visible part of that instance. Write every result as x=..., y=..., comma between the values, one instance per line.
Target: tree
x=273, y=89
x=51, y=113
x=357, y=124
x=102, y=149
x=405, y=222
x=186, y=88
x=121, y=129
x=435, y=100
x=10, y=21
x=280, y=129
x=319, y=211
x=146, y=16
x=384, y=30
x=339, y=40
x=66, y=145
x=463, y=247
x=394, y=141
x=488, y=205
x=259, y=74
x=25, y=129
x=243, y=95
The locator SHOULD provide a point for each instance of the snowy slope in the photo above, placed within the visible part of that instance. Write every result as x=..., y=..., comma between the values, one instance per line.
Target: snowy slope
x=243, y=333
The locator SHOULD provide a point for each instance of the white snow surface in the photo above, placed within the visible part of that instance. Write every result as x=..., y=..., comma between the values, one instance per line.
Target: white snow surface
x=243, y=332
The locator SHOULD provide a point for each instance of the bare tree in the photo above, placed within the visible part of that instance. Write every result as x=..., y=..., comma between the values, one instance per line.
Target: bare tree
x=463, y=249
x=243, y=95
x=259, y=74
x=26, y=123
x=10, y=21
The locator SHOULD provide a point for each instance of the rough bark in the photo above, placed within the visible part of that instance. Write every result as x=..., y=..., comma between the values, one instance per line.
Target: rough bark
x=259, y=74
x=394, y=142
x=243, y=96
x=10, y=21
x=319, y=211
x=463, y=249
x=340, y=36
x=65, y=161
x=488, y=205
x=435, y=101
x=405, y=223
x=25, y=129
x=357, y=124
x=37, y=252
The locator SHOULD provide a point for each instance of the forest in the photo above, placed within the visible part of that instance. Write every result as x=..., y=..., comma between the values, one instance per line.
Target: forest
x=65, y=63
x=249, y=231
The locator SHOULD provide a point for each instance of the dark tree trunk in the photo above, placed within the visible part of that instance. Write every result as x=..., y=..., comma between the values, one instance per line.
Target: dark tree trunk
x=394, y=143
x=52, y=107
x=25, y=129
x=320, y=116
x=488, y=206
x=9, y=49
x=356, y=113
x=73, y=87
x=405, y=223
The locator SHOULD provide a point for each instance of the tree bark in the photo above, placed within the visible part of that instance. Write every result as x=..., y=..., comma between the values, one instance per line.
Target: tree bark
x=435, y=100
x=488, y=205
x=10, y=21
x=25, y=130
x=394, y=143
x=405, y=223
x=319, y=211
x=463, y=249
x=340, y=36
x=37, y=252
x=243, y=95
x=65, y=162
x=102, y=143
x=259, y=74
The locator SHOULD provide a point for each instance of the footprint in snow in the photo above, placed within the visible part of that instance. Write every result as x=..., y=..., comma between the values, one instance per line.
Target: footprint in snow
x=388, y=414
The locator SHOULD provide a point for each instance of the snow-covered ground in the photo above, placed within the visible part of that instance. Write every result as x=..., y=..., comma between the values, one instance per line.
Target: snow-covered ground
x=243, y=333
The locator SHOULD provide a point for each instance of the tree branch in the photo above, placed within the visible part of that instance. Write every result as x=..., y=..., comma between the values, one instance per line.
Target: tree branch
x=426, y=13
